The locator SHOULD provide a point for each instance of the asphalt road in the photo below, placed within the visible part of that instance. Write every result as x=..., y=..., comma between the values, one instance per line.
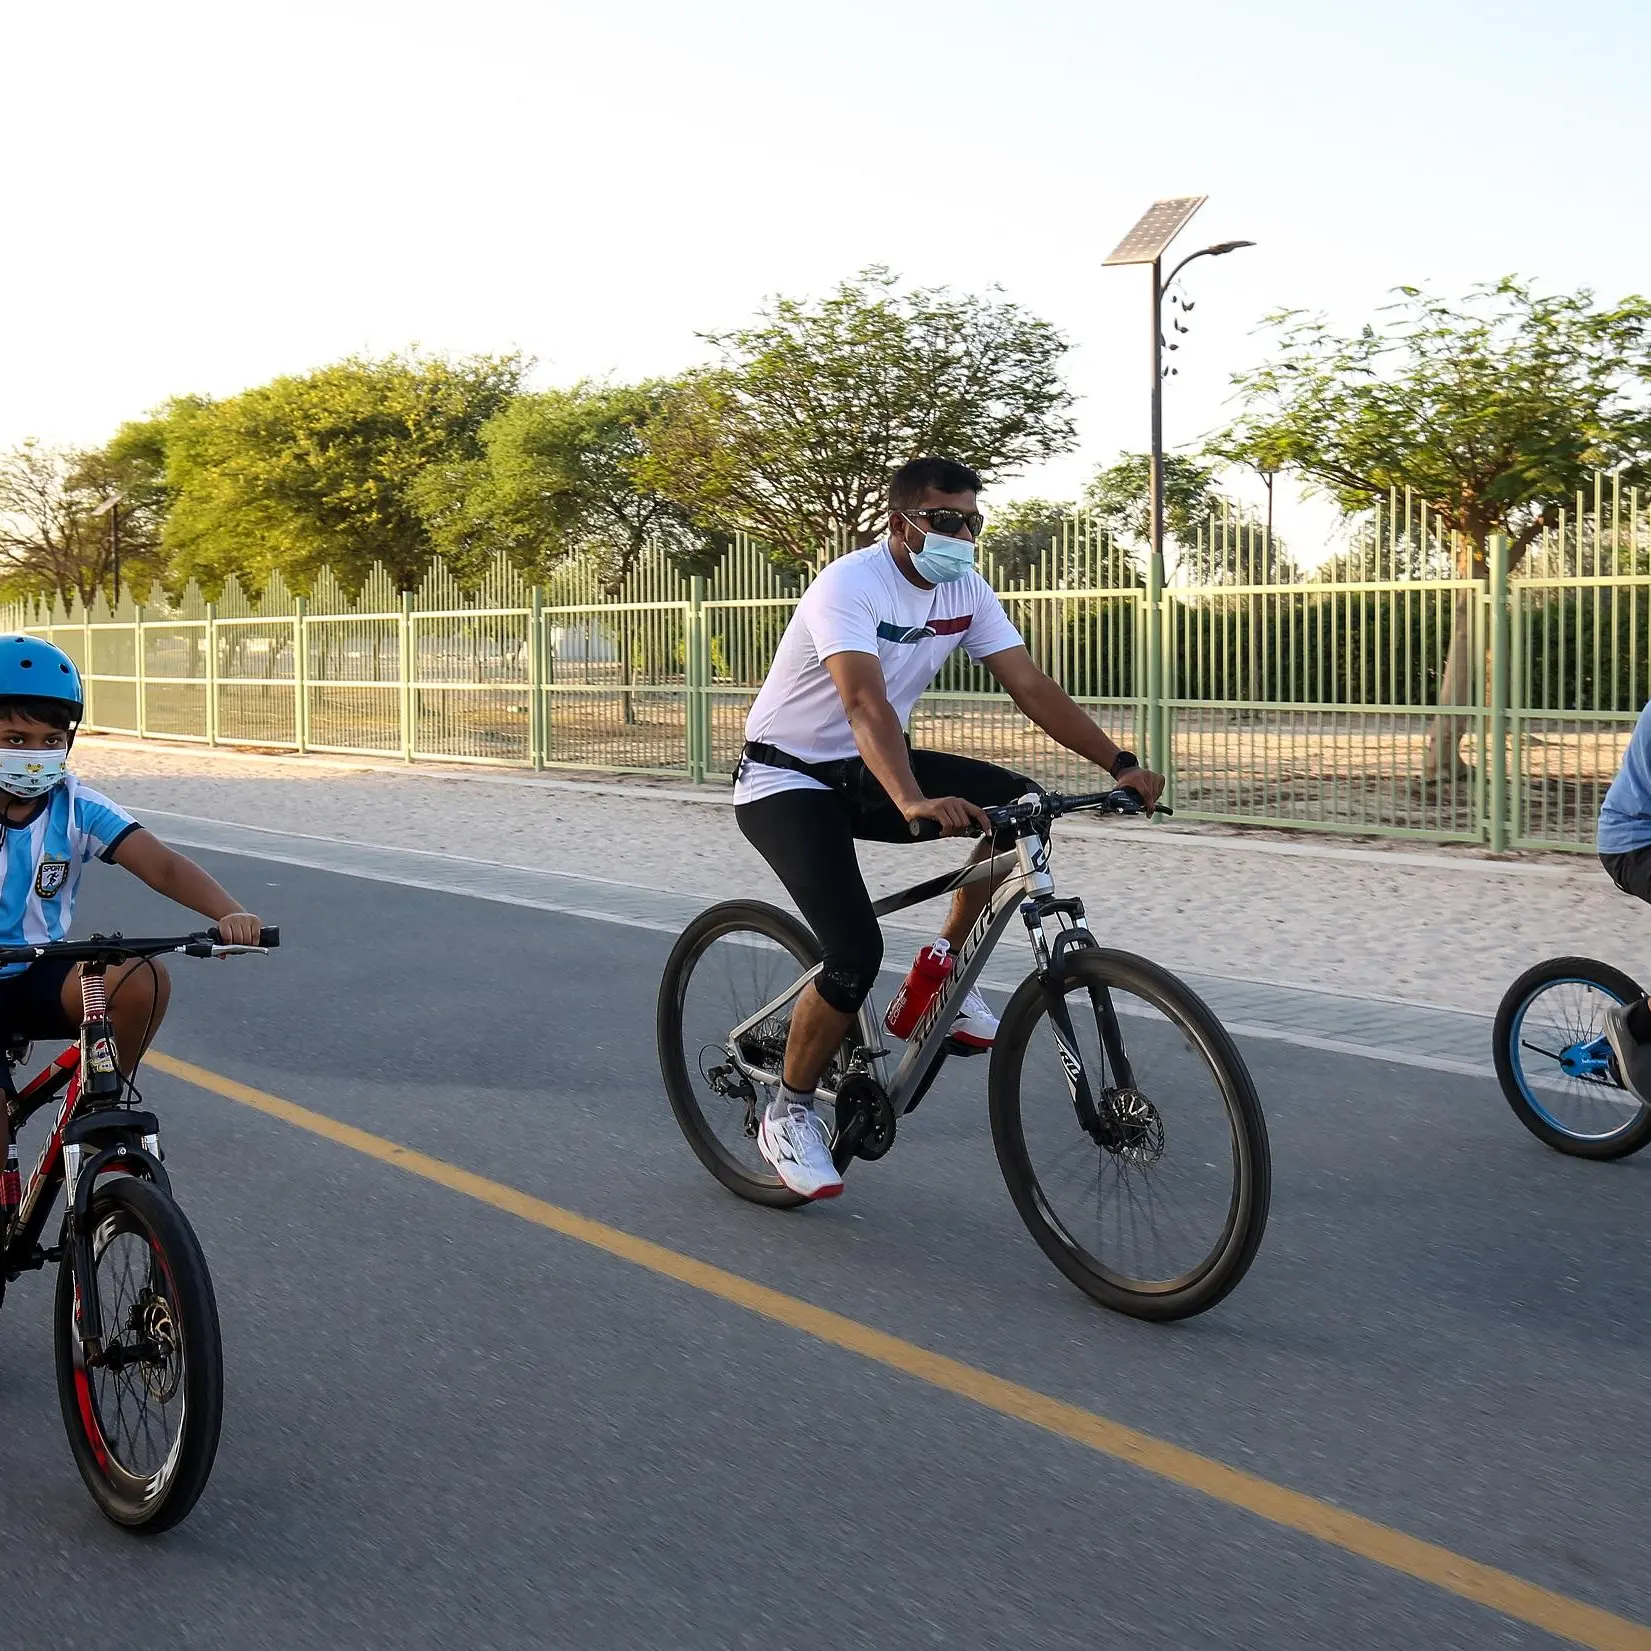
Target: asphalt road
x=448, y=1427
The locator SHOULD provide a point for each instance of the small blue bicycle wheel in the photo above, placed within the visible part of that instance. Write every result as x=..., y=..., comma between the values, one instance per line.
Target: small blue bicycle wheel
x=1555, y=1065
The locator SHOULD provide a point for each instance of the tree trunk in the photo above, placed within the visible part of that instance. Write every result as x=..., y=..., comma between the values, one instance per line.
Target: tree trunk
x=1442, y=749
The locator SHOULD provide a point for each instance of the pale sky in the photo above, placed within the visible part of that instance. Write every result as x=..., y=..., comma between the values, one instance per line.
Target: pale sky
x=201, y=196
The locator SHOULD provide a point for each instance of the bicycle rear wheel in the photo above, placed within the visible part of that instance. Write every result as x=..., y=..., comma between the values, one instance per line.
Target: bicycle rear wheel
x=143, y=1420
x=1160, y=1210
x=1555, y=1067
x=728, y=963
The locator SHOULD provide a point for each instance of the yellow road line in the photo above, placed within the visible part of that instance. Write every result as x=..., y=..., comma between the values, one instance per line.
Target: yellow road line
x=1523, y=1601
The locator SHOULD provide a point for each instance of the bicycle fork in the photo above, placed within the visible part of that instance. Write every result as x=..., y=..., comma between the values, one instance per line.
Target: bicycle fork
x=1075, y=935
x=101, y=1137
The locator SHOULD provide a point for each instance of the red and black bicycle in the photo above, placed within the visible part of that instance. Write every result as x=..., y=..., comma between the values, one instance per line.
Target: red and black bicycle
x=139, y=1360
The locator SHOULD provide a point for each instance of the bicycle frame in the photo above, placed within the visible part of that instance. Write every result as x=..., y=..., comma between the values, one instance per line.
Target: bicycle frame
x=1029, y=888
x=92, y=1134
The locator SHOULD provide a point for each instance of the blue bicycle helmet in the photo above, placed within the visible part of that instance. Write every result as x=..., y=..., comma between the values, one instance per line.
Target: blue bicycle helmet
x=31, y=668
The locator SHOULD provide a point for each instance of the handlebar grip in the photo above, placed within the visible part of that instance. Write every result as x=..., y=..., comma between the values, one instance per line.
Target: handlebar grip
x=925, y=830
x=270, y=937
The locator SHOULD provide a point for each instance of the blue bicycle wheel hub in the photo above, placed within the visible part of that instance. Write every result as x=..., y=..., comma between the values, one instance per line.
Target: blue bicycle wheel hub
x=1591, y=1059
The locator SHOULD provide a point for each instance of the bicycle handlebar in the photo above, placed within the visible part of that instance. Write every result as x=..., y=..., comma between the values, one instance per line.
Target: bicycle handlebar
x=113, y=948
x=1050, y=806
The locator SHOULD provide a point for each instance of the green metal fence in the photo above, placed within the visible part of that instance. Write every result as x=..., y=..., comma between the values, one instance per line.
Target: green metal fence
x=1400, y=690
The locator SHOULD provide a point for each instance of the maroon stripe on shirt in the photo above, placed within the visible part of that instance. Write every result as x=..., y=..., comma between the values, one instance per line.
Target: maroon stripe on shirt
x=950, y=627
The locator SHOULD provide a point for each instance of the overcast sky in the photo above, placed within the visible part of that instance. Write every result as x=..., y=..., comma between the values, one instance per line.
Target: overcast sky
x=198, y=197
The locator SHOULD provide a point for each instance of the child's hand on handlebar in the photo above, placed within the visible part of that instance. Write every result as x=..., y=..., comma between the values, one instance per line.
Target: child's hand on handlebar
x=239, y=928
x=1149, y=787
x=956, y=816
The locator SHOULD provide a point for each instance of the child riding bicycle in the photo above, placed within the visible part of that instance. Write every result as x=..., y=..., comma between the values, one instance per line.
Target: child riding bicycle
x=54, y=824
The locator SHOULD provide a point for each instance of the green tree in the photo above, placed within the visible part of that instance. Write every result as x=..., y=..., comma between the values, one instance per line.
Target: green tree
x=1019, y=535
x=558, y=475
x=52, y=534
x=1492, y=409
x=1120, y=498
x=323, y=470
x=792, y=435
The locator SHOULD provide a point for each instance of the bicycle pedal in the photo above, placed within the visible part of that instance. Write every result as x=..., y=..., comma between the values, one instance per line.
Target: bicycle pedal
x=956, y=1046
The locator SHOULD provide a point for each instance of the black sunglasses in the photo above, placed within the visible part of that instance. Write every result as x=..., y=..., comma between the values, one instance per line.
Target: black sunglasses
x=947, y=522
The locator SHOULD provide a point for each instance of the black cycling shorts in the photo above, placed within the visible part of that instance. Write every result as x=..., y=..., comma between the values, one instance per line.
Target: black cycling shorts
x=808, y=837
x=1631, y=872
x=31, y=1003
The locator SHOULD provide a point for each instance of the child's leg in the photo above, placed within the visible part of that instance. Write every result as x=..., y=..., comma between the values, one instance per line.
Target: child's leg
x=138, y=994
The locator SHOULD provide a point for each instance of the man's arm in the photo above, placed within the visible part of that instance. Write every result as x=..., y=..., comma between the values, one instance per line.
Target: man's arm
x=877, y=732
x=178, y=877
x=1048, y=704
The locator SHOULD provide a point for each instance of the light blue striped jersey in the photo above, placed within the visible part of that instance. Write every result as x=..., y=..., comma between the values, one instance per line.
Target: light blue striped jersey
x=40, y=862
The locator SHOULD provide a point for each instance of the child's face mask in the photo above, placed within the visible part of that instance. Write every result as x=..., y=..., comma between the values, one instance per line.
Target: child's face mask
x=31, y=773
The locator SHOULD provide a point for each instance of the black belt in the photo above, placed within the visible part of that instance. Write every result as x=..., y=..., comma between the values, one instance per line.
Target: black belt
x=834, y=774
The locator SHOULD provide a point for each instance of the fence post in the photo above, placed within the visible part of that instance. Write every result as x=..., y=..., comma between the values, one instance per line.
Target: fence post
x=89, y=718
x=300, y=674
x=211, y=644
x=693, y=676
x=538, y=744
x=1498, y=805
x=139, y=690
x=406, y=676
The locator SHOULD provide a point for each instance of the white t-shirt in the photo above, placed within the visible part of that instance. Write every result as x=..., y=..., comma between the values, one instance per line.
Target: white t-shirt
x=862, y=603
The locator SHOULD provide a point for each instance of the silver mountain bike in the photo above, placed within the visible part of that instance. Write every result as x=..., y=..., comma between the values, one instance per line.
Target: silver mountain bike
x=1126, y=1124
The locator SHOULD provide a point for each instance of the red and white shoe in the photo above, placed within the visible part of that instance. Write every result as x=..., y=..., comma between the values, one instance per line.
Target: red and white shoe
x=793, y=1140
x=976, y=1025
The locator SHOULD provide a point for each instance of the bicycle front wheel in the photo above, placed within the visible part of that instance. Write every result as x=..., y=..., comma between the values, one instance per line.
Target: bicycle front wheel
x=1554, y=1065
x=1157, y=1208
x=143, y=1417
x=729, y=963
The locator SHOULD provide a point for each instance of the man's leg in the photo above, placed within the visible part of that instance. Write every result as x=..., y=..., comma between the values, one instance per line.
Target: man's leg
x=807, y=837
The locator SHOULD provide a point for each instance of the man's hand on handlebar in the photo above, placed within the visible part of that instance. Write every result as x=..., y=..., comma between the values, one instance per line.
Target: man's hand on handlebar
x=955, y=816
x=1149, y=787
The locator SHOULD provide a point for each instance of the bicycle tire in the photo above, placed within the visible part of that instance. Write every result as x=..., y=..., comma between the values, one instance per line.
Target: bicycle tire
x=730, y=917
x=1252, y=1192
x=1586, y=971
x=156, y=1502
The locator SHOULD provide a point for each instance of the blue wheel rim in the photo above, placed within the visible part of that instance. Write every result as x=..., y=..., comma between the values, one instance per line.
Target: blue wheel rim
x=1581, y=1060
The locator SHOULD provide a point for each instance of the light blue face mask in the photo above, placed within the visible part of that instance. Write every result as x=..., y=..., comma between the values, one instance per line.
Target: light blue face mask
x=942, y=560
x=31, y=773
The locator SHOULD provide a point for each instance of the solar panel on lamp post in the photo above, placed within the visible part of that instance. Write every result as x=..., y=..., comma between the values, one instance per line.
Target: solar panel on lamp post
x=1147, y=243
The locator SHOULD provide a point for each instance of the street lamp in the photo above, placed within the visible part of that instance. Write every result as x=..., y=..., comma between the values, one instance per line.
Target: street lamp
x=1147, y=243
x=111, y=508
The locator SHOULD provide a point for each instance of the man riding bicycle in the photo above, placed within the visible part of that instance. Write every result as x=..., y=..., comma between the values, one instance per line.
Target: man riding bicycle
x=826, y=761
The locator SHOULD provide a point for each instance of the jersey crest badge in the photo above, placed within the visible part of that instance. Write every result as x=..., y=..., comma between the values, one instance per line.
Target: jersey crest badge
x=50, y=878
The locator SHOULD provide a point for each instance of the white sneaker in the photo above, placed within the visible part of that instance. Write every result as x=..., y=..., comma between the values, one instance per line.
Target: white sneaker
x=793, y=1140
x=975, y=1025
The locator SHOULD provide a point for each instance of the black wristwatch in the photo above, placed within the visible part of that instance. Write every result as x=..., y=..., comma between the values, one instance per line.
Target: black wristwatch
x=1123, y=762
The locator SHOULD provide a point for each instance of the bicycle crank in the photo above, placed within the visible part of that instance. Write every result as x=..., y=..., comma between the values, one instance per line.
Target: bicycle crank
x=865, y=1120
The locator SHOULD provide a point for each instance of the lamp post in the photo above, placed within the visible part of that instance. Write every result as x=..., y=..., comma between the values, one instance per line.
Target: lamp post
x=111, y=508
x=1147, y=243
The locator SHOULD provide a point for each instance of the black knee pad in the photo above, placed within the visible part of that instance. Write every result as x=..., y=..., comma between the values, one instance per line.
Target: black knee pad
x=846, y=982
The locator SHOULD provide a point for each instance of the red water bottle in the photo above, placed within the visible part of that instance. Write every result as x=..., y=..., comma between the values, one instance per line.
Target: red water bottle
x=929, y=973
